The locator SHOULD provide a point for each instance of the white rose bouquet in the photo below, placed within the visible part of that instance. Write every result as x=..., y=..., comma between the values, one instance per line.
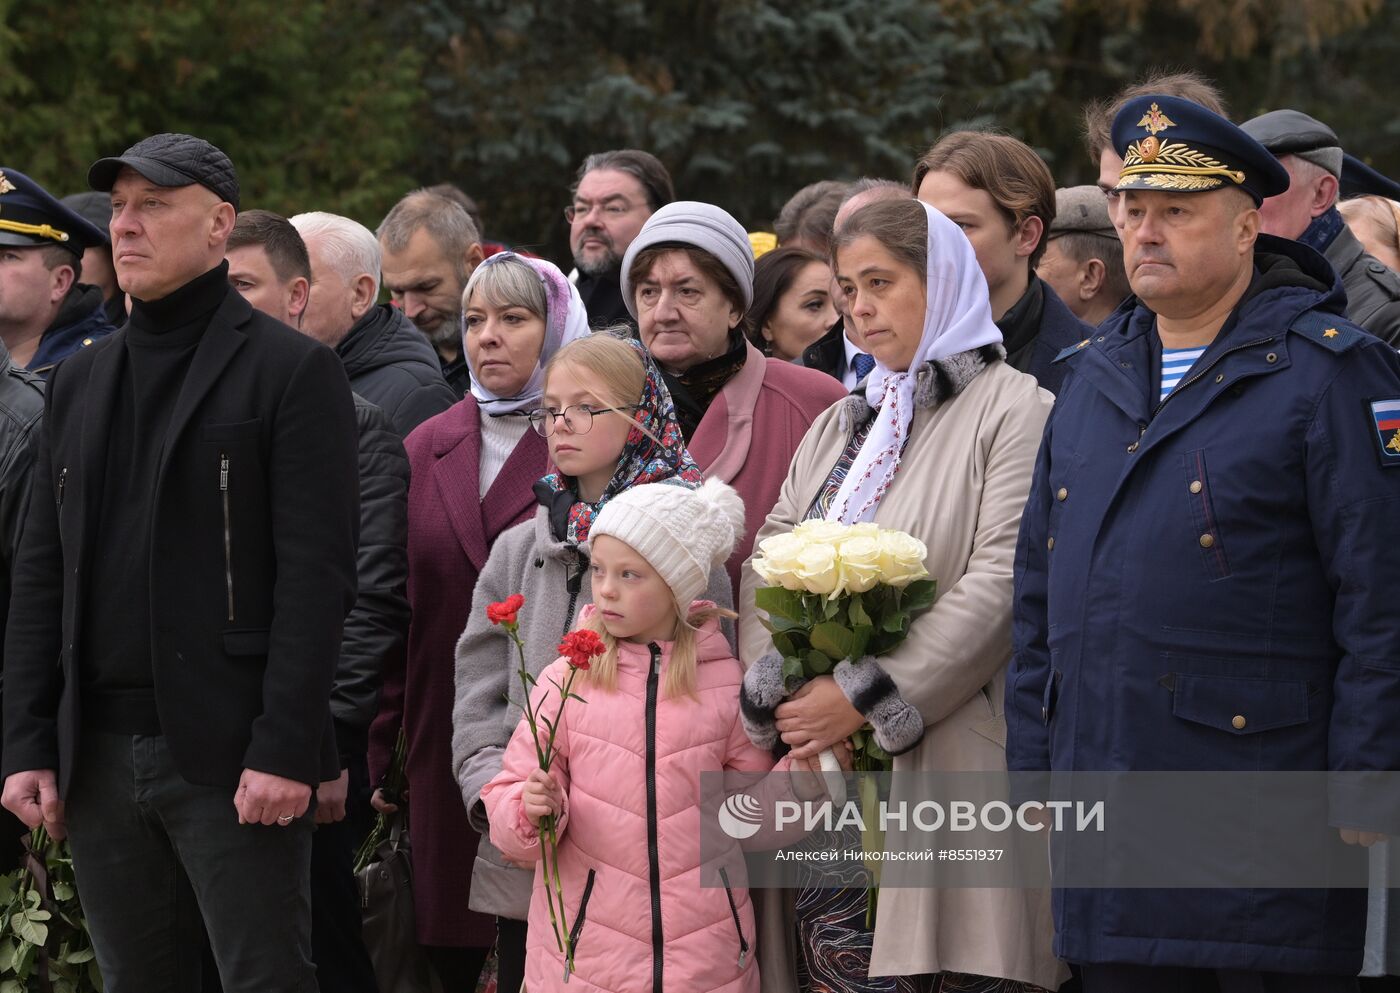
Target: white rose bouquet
x=839, y=597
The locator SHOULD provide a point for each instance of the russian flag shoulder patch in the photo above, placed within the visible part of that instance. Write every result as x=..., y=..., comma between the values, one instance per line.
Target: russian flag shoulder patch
x=1385, y=416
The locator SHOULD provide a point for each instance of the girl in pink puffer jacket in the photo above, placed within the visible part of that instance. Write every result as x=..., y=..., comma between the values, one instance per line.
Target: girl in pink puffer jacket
x=662, y=707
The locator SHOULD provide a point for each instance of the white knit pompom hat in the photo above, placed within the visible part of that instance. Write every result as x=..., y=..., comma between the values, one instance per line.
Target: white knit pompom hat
x=685, y=534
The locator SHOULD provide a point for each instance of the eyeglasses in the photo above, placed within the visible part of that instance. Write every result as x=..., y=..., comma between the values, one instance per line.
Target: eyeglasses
x=610, y=208
x=579, y=417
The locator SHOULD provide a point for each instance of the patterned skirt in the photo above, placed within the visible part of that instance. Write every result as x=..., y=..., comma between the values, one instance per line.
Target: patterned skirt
x=835, y=945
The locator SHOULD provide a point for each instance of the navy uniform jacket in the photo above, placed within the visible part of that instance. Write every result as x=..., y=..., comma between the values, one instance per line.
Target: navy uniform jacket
x=1228, y=553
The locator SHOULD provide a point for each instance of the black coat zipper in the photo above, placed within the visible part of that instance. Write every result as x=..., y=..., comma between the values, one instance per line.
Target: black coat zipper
x=734, y=909
x=577, y=929
x=574, y=584
x=62, y=482
x=653, y=849
x=228, y=531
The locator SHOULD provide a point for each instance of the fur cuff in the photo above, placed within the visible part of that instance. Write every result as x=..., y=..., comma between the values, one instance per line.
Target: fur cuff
x=898, y=726
x=759, y=696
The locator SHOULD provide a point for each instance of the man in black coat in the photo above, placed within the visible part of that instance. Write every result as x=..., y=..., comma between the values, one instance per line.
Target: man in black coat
x=1307, y=212
x=188, y=559
x=270, y=267
x=388, y=360
x=1000, y=192
x=429, y=247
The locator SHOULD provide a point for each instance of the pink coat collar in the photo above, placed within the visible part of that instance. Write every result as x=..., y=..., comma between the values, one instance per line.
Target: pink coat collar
x=720, y=445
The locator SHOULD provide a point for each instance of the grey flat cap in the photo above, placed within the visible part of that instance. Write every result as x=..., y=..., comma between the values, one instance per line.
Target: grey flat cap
x=1292, y=132
x=1081, y=208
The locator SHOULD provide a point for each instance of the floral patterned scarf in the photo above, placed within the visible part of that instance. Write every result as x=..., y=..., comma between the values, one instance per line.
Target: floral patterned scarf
x=655, y=453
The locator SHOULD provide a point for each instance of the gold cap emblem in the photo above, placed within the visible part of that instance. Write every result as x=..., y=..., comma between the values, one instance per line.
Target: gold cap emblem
x=1155, y=121
x=1149, y=147
x=5, y=185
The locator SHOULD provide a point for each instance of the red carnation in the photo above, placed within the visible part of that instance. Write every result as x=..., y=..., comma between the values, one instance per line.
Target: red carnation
x=505, y=611
x=579, y=647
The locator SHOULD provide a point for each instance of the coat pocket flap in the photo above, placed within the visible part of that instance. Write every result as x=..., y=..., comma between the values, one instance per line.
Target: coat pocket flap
x=993, y=729
x=1238, y=704
x=247, y=641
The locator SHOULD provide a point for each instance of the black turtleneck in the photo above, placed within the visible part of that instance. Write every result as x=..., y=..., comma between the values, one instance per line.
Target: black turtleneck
x=118, y=692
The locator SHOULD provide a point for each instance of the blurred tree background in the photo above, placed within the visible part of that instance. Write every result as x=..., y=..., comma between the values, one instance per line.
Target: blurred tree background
x=345, y=104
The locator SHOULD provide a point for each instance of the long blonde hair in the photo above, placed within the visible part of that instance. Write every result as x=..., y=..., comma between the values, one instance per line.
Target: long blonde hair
x=680, y=676
x=614, y=371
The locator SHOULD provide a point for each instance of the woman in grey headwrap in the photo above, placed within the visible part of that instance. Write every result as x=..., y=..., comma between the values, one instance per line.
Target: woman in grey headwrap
x=688, y=279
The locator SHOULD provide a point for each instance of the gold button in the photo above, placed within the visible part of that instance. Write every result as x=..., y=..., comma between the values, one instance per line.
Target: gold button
x=86, y=342
x=1239, y=722
x=1195, y=486
x=1207, y=540
x=1062, y=494
x=1132, y=448
x=1050, y=545
x=1271, y=358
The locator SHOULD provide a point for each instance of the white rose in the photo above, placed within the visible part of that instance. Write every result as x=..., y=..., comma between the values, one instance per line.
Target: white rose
x=817, y=569
x=860, y=563
x=821, y=532
x=776, y=562
x=901, y=558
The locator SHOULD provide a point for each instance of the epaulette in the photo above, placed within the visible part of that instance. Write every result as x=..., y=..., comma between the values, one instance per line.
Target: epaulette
x=1334, y=333
x=1072, y=350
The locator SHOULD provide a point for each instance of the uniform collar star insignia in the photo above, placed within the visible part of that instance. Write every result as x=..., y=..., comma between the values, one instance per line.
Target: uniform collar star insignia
x=5, y=185
x=1155, y=121
x=1330, y=333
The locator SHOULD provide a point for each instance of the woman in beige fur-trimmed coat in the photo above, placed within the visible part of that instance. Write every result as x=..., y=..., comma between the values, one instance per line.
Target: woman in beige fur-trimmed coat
x=940, y=443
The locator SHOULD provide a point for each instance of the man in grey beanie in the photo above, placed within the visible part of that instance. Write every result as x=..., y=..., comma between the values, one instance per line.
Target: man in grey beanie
x=1307, y=212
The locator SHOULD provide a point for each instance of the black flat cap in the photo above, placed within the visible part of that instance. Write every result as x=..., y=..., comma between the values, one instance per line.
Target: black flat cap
x=1359, y=180
x=172, y=160
x=1289, y=132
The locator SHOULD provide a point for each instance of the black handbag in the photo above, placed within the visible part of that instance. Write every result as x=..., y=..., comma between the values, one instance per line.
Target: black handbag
x=386, y=906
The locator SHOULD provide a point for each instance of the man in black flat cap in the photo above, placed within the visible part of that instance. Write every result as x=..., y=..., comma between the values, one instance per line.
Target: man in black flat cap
x=188, y=558
x=46, y=314
x=1307, y=212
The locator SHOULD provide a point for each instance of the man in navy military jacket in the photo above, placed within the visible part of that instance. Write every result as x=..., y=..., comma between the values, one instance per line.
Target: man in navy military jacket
x=1205, y=578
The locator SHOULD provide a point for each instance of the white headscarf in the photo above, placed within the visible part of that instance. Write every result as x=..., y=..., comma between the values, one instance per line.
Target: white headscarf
x=957, y=317
x=565, y=319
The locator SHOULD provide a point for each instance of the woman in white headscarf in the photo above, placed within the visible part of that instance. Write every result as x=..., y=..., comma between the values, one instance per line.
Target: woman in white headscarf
x=940, y=445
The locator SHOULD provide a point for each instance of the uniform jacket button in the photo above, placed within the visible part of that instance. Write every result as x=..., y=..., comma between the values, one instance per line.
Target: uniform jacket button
x=1050, y=544
x=1062, y=494
x=1207, y=540
x=1195, y=486
x=1239, y=722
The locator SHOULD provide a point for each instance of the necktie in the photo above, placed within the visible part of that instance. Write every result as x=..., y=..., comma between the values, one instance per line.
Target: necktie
x=862, y=364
